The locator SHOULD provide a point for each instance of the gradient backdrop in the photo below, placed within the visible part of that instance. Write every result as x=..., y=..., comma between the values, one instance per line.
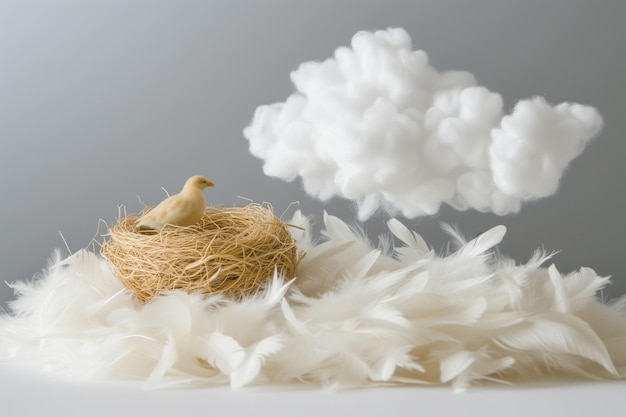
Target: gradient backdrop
x=101, y=101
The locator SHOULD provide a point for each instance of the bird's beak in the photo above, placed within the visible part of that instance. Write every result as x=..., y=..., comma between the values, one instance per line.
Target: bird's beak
x=210, y=184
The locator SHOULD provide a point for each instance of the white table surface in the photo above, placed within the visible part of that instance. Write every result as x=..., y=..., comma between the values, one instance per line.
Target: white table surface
x=28, y=392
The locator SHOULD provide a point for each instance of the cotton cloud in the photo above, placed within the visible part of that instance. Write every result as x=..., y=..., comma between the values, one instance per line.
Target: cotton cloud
x=379, y=125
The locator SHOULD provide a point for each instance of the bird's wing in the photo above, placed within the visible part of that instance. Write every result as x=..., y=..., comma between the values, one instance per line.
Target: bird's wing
x=177, y=209
x=163, y=213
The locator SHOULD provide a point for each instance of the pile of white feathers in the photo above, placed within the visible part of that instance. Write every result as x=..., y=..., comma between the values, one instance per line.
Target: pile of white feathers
x=356, y=315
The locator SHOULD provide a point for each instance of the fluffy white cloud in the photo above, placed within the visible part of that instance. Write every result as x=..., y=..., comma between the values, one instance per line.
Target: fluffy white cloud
x=378, y=125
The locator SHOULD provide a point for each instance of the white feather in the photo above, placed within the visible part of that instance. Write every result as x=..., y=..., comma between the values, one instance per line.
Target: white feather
x=582, y=287
x=337, y=230
x=556, y=333
x=384, y=368
x=223, y=352
x=484, y=242
x=255, y=356
x=291, y=319
x=411, y=239
x=455, y=364
x=166, y=361
x=561, y=301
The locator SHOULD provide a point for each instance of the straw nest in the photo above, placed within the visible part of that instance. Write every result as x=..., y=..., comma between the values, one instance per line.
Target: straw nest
x=232, y=251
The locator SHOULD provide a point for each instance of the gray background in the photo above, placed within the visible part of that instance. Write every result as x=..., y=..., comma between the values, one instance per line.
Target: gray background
x=104, y=100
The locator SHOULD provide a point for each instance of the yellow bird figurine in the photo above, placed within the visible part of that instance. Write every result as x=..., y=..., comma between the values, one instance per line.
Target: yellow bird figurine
x=182, y=209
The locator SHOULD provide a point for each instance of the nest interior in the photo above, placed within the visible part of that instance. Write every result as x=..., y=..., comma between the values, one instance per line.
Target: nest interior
x=232, y=251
